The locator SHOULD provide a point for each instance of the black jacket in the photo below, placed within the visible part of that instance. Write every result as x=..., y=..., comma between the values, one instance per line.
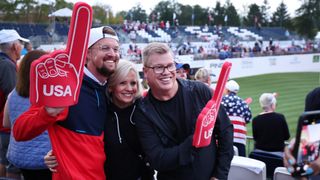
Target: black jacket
x=123, y=150
x=177, y=159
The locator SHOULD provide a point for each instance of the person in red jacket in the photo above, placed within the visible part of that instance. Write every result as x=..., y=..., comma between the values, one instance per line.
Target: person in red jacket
x=76, y=132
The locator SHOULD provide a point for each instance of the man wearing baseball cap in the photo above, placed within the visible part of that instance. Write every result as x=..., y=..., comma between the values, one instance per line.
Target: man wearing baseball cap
x=76, y=132
x=182, y=70
x=11, y=44
x=239, y=114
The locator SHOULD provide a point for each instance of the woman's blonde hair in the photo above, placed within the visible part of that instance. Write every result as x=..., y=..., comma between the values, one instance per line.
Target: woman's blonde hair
x=203, y=74
x=121, y=72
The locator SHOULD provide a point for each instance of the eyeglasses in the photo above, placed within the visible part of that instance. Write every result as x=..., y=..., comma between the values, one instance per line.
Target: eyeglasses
x=160, y=69
x=106, y=48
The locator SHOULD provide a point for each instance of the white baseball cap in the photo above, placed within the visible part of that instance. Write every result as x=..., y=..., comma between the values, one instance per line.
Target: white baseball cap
x=9, y=35
x=97, y=33
x=233, y=86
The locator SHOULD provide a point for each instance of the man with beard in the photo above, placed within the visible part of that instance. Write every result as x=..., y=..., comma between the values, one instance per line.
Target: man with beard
x=76, y=132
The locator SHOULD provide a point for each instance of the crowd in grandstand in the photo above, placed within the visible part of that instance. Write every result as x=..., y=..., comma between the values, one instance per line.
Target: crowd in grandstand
x=184, y=40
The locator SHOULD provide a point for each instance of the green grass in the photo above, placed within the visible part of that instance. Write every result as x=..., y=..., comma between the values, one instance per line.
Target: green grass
x=291, y=87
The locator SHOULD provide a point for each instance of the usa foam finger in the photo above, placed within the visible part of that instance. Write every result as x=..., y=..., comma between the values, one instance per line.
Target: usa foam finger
x=51, y=67
x=78, y=36
x=61, y=60
x=207, y=117
x=57, y=77
x=42, y=71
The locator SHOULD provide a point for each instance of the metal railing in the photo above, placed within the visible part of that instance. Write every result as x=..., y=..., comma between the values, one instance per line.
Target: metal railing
x=250, y=144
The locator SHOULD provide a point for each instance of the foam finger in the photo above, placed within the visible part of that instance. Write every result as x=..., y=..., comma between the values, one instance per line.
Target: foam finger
x=42, y=71
x=51, y=67
x=79, y=34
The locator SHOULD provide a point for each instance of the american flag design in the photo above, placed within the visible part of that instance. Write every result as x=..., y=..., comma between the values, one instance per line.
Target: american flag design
x=239, y=114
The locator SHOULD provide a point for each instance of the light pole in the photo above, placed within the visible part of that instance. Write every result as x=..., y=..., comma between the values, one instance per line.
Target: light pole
x=107, y=16
x=192, y=16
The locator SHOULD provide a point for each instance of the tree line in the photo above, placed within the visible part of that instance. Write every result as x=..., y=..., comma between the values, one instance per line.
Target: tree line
x=253, y=15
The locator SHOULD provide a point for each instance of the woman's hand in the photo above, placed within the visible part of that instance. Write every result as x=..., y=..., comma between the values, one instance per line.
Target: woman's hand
x=315, y=165
x=288, y=159
x=51, y=161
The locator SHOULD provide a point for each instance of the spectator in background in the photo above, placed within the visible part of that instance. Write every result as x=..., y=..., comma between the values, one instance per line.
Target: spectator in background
x=166, y=117
x=202, y=52
x=223, y=54
x=162, y=25
x=270, y=121
x=183, y=70
x=239, y=113
x=130, y=51
x=10, y=46
x=256, y=49
x=27, y=48
x=138, y=52
x=312, y=103
x=28, y=156
x=204, y=75
x=167, y=25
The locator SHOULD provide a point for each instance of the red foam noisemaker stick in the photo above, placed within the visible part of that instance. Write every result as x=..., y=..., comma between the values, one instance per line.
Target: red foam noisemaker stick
x=207, y=118
x=55, y=79
x=248, y=100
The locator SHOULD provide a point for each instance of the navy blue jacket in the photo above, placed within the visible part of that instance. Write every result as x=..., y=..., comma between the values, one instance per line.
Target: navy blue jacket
x=85, y=120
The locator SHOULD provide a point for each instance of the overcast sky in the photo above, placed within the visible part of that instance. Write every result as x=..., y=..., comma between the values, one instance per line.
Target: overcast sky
x=119, y=5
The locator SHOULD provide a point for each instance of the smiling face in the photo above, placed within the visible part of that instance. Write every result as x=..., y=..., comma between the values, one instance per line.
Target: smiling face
x=103, y=57
x=125, y=91
x=163, y=85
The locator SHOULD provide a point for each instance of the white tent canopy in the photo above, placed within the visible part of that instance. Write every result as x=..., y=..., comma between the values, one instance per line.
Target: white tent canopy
x=318, y=35
x=65, y=12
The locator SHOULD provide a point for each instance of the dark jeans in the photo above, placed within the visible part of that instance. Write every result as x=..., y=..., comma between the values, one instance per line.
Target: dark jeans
x=241, y=149
x=39, y=174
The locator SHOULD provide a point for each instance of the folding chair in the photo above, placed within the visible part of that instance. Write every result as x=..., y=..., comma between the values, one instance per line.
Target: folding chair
x=235, y=151
x=243, y=168
x=281, y=173
x=272, y=161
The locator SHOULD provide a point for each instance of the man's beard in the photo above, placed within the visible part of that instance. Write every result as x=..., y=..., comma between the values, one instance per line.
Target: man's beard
x=105, y=71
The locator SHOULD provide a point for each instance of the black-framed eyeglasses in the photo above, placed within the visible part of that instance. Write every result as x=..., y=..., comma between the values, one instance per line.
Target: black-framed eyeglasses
x=160, y=69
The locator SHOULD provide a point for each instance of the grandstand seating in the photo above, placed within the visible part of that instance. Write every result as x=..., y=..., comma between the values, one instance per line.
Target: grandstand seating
x=244, y=33
x=270, y=32
x=201, y=33
x=61, y=29
x=156, y=35
x=26, y=30
x=174, y=34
